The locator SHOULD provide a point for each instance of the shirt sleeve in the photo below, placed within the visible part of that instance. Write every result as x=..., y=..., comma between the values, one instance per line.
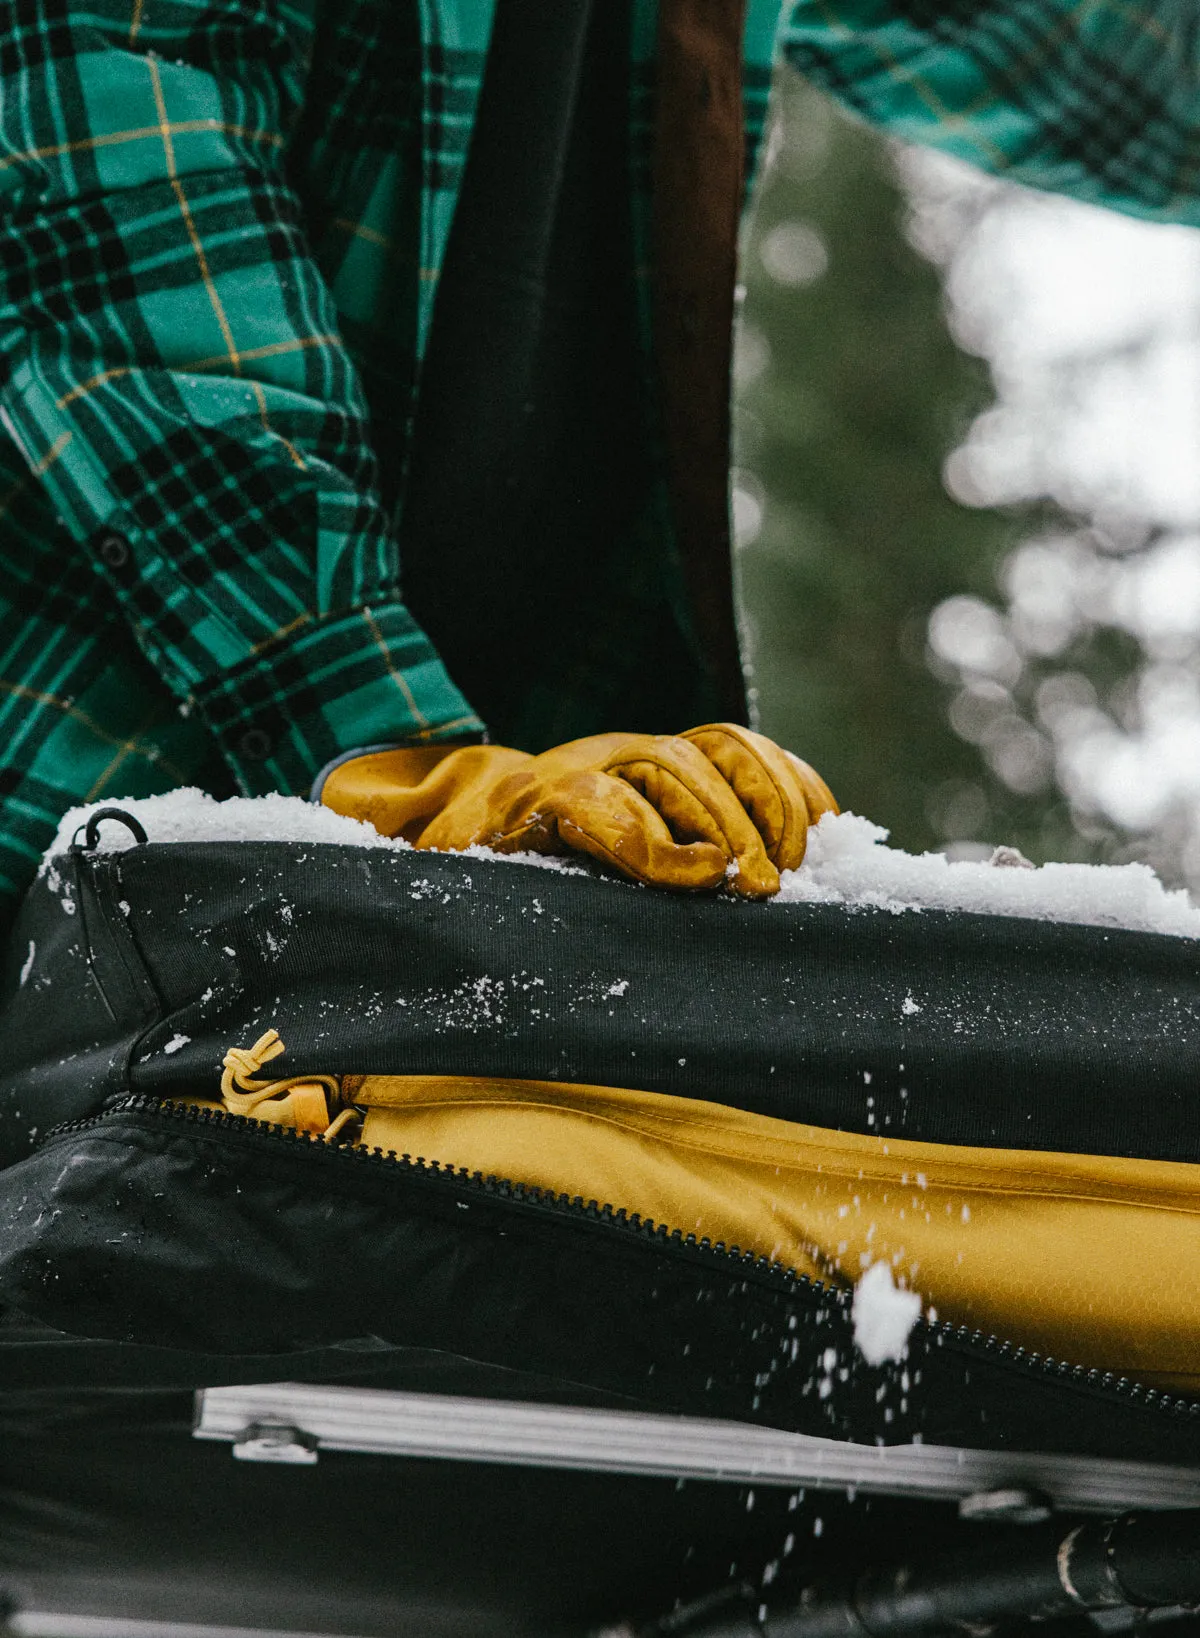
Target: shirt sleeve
x=171, y=372
x=1100, y=101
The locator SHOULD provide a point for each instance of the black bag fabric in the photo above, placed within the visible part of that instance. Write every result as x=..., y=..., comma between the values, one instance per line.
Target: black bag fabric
x=136, y=970
x=144, y=1223
x=110, y=1509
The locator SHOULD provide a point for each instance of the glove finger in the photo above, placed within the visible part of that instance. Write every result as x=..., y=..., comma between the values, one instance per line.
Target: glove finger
x=698, y=805
x=817, y=793
x=601, y=816
x=770, y=784
x=431, y=795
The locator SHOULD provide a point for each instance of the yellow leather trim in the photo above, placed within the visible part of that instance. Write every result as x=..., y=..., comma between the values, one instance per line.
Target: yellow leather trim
x=1091, y=1259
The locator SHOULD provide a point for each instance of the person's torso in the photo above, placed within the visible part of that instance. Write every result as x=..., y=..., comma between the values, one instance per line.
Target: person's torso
x=379, y=158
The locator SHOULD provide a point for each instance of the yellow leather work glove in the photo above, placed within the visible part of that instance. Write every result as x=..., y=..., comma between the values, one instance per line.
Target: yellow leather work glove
x=694, y=810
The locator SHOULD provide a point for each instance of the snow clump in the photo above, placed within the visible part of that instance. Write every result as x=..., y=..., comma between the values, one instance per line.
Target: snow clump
x=883, y=1315
x=191, y=815
x=848, y=863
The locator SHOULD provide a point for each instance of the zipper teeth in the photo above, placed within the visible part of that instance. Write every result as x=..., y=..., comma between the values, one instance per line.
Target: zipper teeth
x=940, y=1331
x=497, y=1187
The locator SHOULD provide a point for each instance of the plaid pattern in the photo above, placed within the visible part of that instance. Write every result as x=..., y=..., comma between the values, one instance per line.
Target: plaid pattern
x=221, y=227
x=198, y=576
x=1096, y=98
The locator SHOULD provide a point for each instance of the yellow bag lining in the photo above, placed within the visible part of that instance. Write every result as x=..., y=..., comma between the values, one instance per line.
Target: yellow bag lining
x=1089, y=1258
x=1083, y=1257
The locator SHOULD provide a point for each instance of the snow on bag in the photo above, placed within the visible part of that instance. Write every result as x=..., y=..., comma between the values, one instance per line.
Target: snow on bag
x=847, y=863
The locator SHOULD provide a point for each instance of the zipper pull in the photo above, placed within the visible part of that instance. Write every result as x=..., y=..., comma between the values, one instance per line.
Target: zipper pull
x=308, y=1103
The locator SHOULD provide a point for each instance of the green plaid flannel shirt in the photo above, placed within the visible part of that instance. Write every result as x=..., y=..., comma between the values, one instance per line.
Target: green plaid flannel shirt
x=221, y=226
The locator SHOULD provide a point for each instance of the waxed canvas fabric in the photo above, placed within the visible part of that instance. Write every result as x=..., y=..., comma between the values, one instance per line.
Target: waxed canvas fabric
x=136, y=970
x=147, y=1249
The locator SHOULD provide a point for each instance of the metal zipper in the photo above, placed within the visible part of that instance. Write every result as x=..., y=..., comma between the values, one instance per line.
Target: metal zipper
x=941, y=1333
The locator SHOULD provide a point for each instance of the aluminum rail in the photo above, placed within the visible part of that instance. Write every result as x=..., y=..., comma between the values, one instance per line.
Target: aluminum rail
x=293, y=1422
x=49, y=1624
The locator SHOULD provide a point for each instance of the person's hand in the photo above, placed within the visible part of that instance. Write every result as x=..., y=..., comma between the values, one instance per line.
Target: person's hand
x=718, y=805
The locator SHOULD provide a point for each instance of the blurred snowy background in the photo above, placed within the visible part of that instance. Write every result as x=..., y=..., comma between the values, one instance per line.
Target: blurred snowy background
x=967, y=499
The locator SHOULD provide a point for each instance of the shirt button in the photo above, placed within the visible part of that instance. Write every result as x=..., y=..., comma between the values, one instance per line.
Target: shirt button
x=255, y=744
x=114, y=549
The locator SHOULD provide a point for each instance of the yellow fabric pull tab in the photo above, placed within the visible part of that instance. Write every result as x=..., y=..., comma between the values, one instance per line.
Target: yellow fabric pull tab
x=305, y=1106
x=309, y=1103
